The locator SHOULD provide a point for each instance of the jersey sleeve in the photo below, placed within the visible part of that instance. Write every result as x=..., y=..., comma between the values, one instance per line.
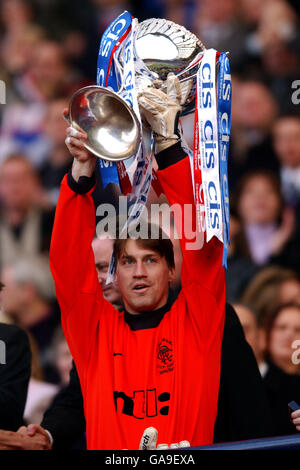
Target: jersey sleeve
x=73, y=269
x=202, y=261
x=71, y=254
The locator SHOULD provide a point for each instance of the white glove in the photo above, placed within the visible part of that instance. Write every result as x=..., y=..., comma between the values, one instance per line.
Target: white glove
x=161, y=111
x=149, y=441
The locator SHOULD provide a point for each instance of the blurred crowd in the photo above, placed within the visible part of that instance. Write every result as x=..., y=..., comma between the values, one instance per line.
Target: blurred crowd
x=48, y=49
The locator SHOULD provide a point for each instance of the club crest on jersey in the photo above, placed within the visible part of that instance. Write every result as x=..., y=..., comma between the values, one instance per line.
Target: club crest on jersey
x=165, y=356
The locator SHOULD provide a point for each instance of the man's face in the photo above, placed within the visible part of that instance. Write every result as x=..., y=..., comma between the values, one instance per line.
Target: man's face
x=255, y=106
x=286, y=138
x=17, y=184
x=250, y=328
x=47, y=64
x=102, y=252
x=54, y=125
x=14, y=295
x=143, y=277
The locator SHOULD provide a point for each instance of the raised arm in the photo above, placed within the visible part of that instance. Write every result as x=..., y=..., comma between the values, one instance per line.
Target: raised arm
x=71, y=255
x=202, y=262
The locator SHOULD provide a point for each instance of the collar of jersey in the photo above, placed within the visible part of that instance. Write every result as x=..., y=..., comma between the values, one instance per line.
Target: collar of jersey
x=146, y=320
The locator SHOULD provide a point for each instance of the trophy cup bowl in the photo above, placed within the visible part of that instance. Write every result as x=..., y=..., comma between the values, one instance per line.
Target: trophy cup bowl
x=112, y=127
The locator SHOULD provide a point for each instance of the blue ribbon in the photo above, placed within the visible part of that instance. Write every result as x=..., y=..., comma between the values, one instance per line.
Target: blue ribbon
x=224, y=124
x=109, y=78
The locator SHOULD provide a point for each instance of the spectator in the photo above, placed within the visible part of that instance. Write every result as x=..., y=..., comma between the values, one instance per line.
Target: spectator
x=278, y=22
x=15, y=369
x=219, y=26
x=271, y=287
x=61, y=357
x=254, y=334
x=282, y=378
x=14, y=375
x=3, y=317
x=282, y=330
x=15, y=441
x=254, y=112
x=286, y=140
x=40, y=392
x=18, y=32
x=47, y=77
x=275, y=22
x=25, y=229
x=29, y=298
x=240, y=382
x=241, y=268
x=102, y=248
x=64, y=419
x=79, y=30
x=259, y=204
x=287, y=147
x=296, y=419
x=273, y=349
x=250, y=12
x=57, y=159
x=17, y=49
x=22, y=133
x=278, y=36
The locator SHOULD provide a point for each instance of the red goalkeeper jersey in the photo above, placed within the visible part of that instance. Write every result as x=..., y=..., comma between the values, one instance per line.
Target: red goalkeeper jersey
x=166, y=376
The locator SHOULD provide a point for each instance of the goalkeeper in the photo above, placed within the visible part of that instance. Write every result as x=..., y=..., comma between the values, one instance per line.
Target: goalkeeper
x=152, y=364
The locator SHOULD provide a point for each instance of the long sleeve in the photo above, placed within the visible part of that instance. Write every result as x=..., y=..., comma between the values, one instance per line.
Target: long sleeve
x=201, y=264
x=243, y=411
x=202, y=298
x=73, y=268
x=65, y=418
x=71, y=255
x=14, y=376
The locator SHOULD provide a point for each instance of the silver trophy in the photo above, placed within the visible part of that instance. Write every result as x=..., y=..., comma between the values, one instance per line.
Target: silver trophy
x=166, y=47
x=112, y=127
x=160, y=47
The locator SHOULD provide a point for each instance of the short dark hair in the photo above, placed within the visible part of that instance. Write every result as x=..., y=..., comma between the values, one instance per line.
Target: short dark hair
x=265, y=173
x=270, y=319
x=160, y=244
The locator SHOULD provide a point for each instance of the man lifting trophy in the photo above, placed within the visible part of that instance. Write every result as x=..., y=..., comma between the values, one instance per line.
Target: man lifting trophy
x=150, y=373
